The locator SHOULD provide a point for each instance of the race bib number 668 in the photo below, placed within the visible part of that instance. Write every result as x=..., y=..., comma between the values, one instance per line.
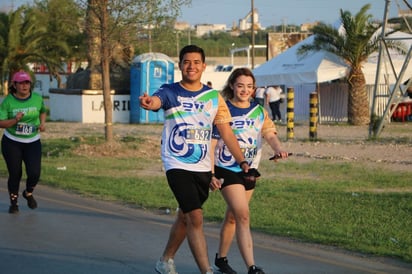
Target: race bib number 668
x=25, y=129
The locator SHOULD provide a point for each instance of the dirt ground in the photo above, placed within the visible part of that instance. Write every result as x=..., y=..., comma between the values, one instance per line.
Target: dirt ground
x=392, y=150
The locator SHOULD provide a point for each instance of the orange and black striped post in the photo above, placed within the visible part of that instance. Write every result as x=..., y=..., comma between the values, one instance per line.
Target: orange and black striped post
x=290, y=113
x=313, y=113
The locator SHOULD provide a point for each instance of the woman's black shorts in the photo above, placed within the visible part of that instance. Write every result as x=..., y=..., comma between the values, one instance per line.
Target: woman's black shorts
x=231, y=178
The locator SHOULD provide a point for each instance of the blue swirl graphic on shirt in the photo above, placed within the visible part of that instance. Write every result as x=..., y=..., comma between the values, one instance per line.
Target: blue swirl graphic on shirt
x=182, y=150
x=226, y=158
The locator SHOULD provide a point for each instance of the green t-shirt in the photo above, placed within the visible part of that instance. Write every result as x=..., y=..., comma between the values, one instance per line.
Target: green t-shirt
x=27, y=128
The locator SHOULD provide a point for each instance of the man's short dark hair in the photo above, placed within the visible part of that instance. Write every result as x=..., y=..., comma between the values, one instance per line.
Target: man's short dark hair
x=189, y=49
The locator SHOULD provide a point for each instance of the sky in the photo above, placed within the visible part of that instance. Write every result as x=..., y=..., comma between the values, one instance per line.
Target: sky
x=279, y=12
x=271, y=12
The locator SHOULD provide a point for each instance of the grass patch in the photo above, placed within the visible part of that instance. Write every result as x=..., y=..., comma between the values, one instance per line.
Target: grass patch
x=349, y=205
x=339, y=204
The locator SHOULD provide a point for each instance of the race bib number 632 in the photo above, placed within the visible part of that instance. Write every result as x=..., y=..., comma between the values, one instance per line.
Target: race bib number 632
x=198, y=135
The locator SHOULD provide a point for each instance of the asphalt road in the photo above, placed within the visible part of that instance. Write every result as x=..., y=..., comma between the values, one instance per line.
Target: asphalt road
x=73, y=234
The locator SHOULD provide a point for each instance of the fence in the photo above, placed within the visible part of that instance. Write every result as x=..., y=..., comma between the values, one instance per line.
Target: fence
x=333, y=101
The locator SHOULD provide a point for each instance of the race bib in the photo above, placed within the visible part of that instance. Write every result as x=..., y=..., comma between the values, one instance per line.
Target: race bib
x=25, y=129
x=249, y=152
x=196, y=135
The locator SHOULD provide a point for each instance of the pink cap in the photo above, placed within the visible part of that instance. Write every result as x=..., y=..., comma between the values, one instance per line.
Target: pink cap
x=21, y=76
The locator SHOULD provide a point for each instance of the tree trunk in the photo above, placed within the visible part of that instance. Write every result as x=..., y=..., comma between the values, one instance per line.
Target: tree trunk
x=105, y=55
x=6, y=88
x=99, y=58
x=94, y=44
x=358, y=101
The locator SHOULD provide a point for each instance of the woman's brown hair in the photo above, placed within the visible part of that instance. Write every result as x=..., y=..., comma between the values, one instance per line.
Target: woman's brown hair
x=227, y=91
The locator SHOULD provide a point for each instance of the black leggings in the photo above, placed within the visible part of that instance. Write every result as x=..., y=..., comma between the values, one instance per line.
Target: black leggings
x=15, y=153
x=275, y=108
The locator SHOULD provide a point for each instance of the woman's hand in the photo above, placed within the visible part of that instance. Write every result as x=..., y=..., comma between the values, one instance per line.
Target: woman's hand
x=18, y=116
x=280, y=155
x=42, y=127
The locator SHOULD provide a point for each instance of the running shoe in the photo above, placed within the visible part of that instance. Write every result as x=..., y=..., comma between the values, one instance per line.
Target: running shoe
x=167, y=267
x=223, y=265
x=31, y=202
x=255, y=270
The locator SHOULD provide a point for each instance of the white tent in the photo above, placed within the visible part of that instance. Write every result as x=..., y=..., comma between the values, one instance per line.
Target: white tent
x=386, y=73
x=304, y=72
x=290, y=68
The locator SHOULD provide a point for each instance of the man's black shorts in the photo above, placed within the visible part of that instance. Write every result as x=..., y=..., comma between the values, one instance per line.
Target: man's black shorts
x=191, y=189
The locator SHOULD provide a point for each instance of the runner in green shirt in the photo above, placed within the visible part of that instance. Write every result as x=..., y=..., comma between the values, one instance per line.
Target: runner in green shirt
x=23, y=116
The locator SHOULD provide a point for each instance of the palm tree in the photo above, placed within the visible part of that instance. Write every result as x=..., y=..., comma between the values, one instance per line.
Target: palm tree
x=64, y=41
x=25, y=39
x=354, y=41
x=25, y=34
x=19, y=38
x=4, y=37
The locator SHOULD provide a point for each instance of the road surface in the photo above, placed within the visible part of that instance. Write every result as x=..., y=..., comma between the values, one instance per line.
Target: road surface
x=73, y=234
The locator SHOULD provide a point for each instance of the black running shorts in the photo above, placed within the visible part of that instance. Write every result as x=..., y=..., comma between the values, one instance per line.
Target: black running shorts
x=231, y=178
x=191, y=189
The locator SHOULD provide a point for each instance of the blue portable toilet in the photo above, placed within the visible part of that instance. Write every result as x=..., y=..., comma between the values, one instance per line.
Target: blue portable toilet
x=147, y=73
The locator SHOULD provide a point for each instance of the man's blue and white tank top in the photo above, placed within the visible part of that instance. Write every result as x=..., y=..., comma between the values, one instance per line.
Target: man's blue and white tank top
x=247, y=125
x=187, y=130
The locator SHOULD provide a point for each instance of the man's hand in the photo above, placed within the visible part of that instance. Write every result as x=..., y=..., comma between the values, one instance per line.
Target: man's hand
x=145, y=101
x=215, y=183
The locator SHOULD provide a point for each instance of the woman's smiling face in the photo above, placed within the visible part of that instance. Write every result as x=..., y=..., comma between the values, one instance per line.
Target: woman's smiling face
x=243, y=88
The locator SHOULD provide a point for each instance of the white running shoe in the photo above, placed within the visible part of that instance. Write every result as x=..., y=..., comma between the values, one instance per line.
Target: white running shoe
x=212, y=270
x=168, y=267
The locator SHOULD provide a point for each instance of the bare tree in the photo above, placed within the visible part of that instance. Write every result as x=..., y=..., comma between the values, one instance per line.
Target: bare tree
x=99, y=57
x=110, y=22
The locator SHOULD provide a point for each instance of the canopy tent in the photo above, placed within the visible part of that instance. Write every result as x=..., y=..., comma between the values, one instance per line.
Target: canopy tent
x=305, y=72
x=387, y=75
x=290, y=68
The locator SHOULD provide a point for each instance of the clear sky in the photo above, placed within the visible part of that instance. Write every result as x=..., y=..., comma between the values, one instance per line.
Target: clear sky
x=271, y=12
x=278, y=12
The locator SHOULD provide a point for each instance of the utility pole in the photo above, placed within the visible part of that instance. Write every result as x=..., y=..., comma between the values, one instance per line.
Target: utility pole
x=252, y=28
x=395, y=93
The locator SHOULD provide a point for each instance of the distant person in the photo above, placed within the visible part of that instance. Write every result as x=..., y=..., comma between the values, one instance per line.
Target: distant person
x=209, y=84
x=260, y=96
x=273, y=98
x=190, y=109
x=79, y=69
x=409, y=89
x=237, y=189
x=23, y=116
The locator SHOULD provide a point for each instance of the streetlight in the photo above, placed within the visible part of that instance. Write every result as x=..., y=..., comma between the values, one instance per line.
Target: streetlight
x=231, y=53
x=177, y=43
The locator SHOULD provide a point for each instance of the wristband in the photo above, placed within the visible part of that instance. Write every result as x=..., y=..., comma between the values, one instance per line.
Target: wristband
x=213, y=175
x=243, y=162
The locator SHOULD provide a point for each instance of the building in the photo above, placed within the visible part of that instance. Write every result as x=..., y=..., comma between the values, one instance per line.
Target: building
x=203, y=29
x=306, y=27
x=245, y=23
